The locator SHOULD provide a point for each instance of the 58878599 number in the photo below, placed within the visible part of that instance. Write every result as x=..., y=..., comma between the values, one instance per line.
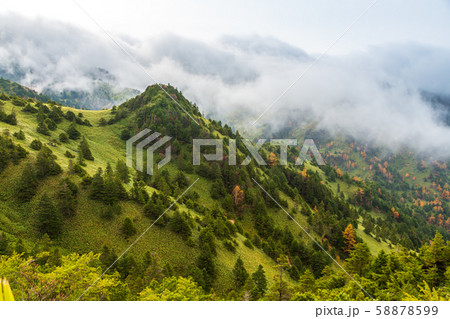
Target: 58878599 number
x=406, y=310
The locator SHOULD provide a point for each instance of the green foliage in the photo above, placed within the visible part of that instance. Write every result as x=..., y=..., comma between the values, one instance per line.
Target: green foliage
x=107, y=187
x=67, y=197
x=85, y=150
x=10, y=152
x=63, y=138
x=46, y=164
x=43, y=129
x=260, y=283
x=36, y=145
x=174, y=289
x=27, y=184
x=72, y=132
x=69, y=155
x=49, y=218
x=179, y=224
x=359, y=260
x=8, y=118
x=19, y=135
x=32, y=281
x=122, y=171
x=125, y=134
x=240, y=274
x=128, y=228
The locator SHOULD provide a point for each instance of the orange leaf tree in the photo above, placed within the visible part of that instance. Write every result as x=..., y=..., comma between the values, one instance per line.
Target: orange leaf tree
x=272, y=159
x=238, y=195
x=349, y=238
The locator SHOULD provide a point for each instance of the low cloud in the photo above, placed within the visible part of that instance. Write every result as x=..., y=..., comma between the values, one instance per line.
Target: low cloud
x=374, y=95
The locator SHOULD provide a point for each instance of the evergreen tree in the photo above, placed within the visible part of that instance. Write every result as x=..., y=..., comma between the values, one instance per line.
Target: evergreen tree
x=43, y=129
x=240, y=274
x=179, y=225
x=27, y=185
x=36, y=145
x=260, y=283
x=128, y=227
x=63, y=138
x=122, y=171
x=206, y=264
x=19, y=135
x=72, y=132
x=46, y=164
x=359, y=260
x=50, y=220
x=97, y=186
x=4, y=244
x=85, y=150
x=67, y=198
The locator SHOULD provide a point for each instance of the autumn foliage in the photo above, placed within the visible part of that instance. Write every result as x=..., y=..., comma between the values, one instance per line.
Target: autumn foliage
x=272, y=160
x=238, y=196
x=349, y=238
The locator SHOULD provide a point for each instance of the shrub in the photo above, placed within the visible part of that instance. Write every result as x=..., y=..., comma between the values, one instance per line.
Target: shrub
x=19, y=135
x=125, y=134
x=36, y=145
x=128, y=228
x=69, y=155
x=64, y=138
x=72, y=132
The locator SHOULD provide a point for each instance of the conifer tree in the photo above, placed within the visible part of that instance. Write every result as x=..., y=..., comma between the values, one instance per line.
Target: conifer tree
x=63, y=138
x=128, y=227
x=85, y=150
x=50, y=220
x=27, y=185
x=122, y=171
x=46, y=164
x=359, y=260
x=260, y=283
x=72, y=132
x=240, y=274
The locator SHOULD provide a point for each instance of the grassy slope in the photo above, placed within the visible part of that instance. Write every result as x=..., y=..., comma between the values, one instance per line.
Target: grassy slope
x=87, y=231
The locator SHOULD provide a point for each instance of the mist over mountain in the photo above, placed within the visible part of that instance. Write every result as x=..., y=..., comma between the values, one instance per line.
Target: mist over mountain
x=373, y=95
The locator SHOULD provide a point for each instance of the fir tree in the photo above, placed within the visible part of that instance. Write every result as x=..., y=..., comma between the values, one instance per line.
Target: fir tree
x=72, y=132
x=179, y=225
x=359, y=260
x=240, y=274
x=128, y=228
x=27, y=185
x=122, y=171
x=43, y=129
x=63, y=138
x=50, y=220
x=85, y=150
x=46, y=164
x=260, y=283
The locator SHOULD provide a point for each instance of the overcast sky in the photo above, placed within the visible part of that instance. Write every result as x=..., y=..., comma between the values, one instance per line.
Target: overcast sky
x=234, y=58
x=311, y=25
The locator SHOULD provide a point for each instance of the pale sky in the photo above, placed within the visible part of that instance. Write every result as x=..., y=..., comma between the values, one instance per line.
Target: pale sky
x=310, y=25
x=234, y=58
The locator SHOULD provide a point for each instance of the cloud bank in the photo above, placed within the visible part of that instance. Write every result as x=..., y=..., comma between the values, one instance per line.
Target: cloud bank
x=372, y=95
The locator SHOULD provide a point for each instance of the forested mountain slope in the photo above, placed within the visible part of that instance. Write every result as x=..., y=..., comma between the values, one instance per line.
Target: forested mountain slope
x=69, y=206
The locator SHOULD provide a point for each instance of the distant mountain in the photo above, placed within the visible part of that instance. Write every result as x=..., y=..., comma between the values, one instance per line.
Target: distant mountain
x=440, y=103
x=103, y=96
x=103, y=90
x=13, y=88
